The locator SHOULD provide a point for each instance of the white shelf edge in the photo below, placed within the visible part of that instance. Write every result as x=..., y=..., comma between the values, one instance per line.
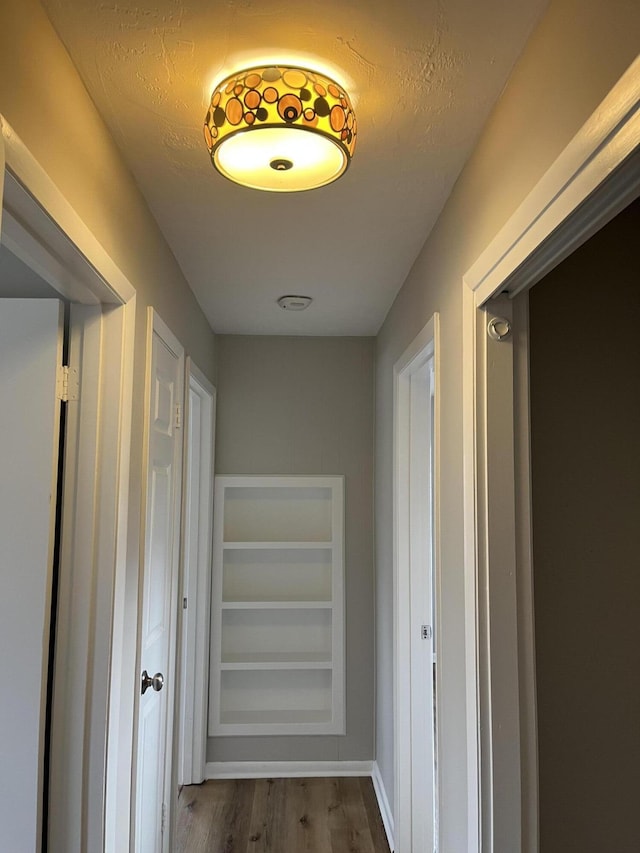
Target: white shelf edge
x=276, y=605
x=252, y=729
x=276, y=546
x=275, y=665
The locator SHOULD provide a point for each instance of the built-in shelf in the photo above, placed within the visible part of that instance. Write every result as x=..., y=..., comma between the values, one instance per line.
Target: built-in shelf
x=250, y=546
x=254, y=604
x=282, y=717
x=277, y=662
x=276, y=666
x=291, y=660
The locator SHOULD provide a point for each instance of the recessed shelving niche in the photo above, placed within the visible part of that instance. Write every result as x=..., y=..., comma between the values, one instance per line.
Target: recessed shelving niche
x=277, y=637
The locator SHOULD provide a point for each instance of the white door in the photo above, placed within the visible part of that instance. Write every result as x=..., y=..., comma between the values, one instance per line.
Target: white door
x=423, y=788
x=30, y=352
x=415, y=502
x=159, y=592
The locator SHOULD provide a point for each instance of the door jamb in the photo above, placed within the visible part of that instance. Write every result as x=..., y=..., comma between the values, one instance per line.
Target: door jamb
x=194, y=634
x=42, y=226
x=424, y=348
x=594, y=178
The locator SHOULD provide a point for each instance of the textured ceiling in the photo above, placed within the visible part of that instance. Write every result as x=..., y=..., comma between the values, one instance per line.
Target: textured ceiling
x=423, y=75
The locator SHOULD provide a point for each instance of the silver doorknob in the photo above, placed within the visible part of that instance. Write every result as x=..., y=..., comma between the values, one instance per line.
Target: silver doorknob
x=156, y=681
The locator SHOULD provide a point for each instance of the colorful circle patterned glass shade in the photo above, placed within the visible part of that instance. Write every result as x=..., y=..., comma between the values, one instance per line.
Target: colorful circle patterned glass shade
x=280, y=128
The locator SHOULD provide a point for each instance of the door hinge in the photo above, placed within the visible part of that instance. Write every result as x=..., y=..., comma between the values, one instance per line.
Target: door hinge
x=178, y=421
x=67, y=383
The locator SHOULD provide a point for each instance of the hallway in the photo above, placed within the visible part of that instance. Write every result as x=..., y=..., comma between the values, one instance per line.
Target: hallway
x=327, y=815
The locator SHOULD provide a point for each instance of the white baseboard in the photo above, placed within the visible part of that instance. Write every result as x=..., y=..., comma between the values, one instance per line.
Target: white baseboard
x=383, y=804
x=285, y=769
x=308, y=769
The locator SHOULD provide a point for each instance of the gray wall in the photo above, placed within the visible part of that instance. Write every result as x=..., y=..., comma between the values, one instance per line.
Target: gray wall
x=585, y=431
x=294, y=405
x=82, y=159
x=576, y=54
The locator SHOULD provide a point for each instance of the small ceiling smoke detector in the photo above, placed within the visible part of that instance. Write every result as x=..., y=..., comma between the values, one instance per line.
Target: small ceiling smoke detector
x=294, y=303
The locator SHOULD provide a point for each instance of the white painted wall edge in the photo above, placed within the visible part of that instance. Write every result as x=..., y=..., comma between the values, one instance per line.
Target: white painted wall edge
x=604, y=141
x=383, y=804
x=286, y=769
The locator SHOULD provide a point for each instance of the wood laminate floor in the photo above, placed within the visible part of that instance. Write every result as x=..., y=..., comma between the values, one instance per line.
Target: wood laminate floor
x=280, y=816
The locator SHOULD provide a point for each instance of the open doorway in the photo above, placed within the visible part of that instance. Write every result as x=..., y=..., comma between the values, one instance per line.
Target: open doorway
x=584, y=345
x=33, y=346
x=595, y=177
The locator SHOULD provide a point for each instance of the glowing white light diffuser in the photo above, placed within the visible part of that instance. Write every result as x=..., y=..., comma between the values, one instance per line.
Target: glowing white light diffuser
x=280, y=128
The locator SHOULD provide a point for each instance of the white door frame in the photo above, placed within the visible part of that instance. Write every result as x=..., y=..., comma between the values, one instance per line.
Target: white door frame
x=422, y=351
x=156, y=326
x=592, y=180
x=43, y=229
x=197, y=539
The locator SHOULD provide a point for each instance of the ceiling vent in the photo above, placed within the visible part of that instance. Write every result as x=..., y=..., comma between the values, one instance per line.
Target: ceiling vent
x=294, y=303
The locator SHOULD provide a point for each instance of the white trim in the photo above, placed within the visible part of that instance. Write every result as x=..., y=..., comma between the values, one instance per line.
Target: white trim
x=96, y=507
x=116, y=287
x=113, y=464
x=286, y=769
x=74, y=587
x=422, y=350
x=525, y=577
x=196, y=578
x=56, y=271
x=594, y=178
x=383, y=805
x=472, y=668
x=123, y=684
x=609, y=136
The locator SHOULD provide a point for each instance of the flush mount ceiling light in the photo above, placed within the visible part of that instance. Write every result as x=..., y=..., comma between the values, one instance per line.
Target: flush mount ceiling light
x=280, y=128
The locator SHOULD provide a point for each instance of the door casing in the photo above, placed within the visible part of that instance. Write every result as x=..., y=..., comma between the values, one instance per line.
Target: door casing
x=42, y=229
x=411, y=504
x=197, y=538
x=593, y=179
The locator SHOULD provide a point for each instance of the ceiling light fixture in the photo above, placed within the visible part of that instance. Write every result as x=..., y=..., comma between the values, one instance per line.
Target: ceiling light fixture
x=280, y=128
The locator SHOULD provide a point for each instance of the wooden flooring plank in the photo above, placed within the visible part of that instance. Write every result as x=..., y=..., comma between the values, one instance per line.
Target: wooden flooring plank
x=374, y=818
x=306, y=808
x=316, y=815
x=266, y=829
x=232, y=836
x=213, y=816
x=352, y=835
